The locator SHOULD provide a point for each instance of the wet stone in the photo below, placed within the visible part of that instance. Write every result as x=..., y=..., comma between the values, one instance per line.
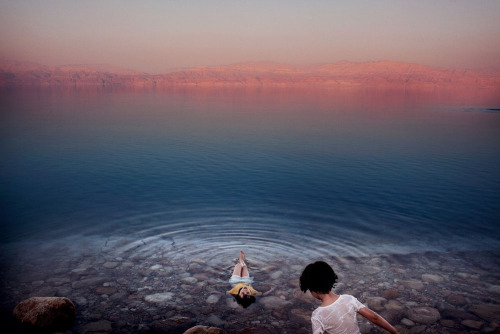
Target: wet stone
x=424, y=315
x=304, y=315
x=376, y=303
x=394, y=305
x=494, y=289
x=456, y=300
x=490, y=312
x=110, y=265
x=473, y=324
x=106, y=290
x=273, y=302
x=417, y=329
x=447, y=323
x=390, y=294
x=276, y=274
x=413, y=284
x=457, y=314
x=190, y=280
x=432, y=278
x=88, y=282
x=212, y=299
x=159, y=298
x=407, y=322
x=101, y=326
x=204, y=330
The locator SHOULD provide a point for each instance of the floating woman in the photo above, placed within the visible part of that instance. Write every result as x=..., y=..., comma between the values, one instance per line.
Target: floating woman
x=242, y=289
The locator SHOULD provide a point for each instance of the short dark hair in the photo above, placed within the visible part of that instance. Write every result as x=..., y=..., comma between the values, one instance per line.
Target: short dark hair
x=245, y=301
x=318, y=277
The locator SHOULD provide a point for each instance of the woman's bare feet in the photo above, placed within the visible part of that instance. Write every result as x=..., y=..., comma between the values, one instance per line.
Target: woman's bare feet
x=242, y=258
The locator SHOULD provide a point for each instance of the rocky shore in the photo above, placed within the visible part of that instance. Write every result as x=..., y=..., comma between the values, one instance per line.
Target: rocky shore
x=163, y=293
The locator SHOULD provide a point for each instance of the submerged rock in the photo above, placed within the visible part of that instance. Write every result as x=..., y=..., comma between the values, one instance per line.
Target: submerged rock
x=490, y=312
x=204, y=330
x=424, y=315
x=46, y=313
x=159, y=298
x=273, y=302
x=101, y=326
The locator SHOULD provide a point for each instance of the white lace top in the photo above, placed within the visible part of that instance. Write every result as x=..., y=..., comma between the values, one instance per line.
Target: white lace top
x=338, y=317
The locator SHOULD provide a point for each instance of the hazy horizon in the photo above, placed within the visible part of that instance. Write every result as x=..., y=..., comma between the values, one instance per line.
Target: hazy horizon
x=157, y=37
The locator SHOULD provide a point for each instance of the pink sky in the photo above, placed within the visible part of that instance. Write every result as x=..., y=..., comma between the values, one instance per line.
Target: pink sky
x=157, y=36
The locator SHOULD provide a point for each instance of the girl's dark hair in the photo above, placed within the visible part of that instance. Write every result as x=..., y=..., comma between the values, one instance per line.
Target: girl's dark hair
x=318, y=277
x=245, y=301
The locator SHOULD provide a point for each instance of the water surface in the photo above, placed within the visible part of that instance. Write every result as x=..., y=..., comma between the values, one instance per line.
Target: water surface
x=275, y=171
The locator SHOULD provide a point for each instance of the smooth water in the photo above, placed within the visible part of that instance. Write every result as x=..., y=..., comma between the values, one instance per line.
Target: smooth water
x=346, y=172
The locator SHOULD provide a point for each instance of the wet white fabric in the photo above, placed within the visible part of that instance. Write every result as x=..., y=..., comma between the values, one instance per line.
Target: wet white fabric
x=236, y=279
x=337, y=318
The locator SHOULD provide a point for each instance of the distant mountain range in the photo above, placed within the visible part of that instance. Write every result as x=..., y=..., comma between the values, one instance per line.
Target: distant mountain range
x=382, y=73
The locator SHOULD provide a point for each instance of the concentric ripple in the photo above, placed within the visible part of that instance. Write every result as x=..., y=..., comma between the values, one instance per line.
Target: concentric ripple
x=219, y=233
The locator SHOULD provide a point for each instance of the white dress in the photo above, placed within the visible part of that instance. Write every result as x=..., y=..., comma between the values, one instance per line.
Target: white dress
x=338, y=317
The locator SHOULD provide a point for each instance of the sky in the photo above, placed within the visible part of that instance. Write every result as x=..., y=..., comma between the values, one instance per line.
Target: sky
x=157, y=36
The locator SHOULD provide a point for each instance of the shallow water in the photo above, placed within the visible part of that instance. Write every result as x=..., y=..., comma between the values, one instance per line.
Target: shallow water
x=141, y=178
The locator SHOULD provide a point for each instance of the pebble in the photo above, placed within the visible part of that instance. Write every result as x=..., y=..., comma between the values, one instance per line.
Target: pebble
x=413, y=284
x=101, y=326
x=212, y=299
x=273, y=302
x=473, y=324
x=432, y=278
x=110, y=265
x=424, y=315
x=159, y=297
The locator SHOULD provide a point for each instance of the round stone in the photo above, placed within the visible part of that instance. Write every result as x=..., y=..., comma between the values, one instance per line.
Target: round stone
x=212, y=299
x=424, y=315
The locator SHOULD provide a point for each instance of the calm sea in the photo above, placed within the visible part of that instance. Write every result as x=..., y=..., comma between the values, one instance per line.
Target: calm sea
x=343, y=172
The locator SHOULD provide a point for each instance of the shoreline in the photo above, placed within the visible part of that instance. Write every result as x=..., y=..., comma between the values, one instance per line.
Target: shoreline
x=161, y=292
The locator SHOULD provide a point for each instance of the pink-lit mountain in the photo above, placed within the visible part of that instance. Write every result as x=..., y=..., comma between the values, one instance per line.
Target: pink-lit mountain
x=383, y=73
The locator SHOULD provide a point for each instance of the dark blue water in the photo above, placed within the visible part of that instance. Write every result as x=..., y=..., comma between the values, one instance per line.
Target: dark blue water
x=348, y=172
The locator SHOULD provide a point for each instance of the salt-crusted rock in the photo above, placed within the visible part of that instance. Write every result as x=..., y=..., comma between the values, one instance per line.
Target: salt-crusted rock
x=424, y=315
x=204, y=330
x=46, y=313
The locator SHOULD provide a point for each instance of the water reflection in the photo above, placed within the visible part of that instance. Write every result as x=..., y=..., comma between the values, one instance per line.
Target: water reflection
x=347, y=171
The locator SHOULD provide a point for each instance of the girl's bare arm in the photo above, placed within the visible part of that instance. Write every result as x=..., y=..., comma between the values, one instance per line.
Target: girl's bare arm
x=377, y=320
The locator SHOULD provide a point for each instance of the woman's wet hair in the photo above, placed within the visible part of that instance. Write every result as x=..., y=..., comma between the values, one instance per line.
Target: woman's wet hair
x=318, y=277
x=245, y=301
